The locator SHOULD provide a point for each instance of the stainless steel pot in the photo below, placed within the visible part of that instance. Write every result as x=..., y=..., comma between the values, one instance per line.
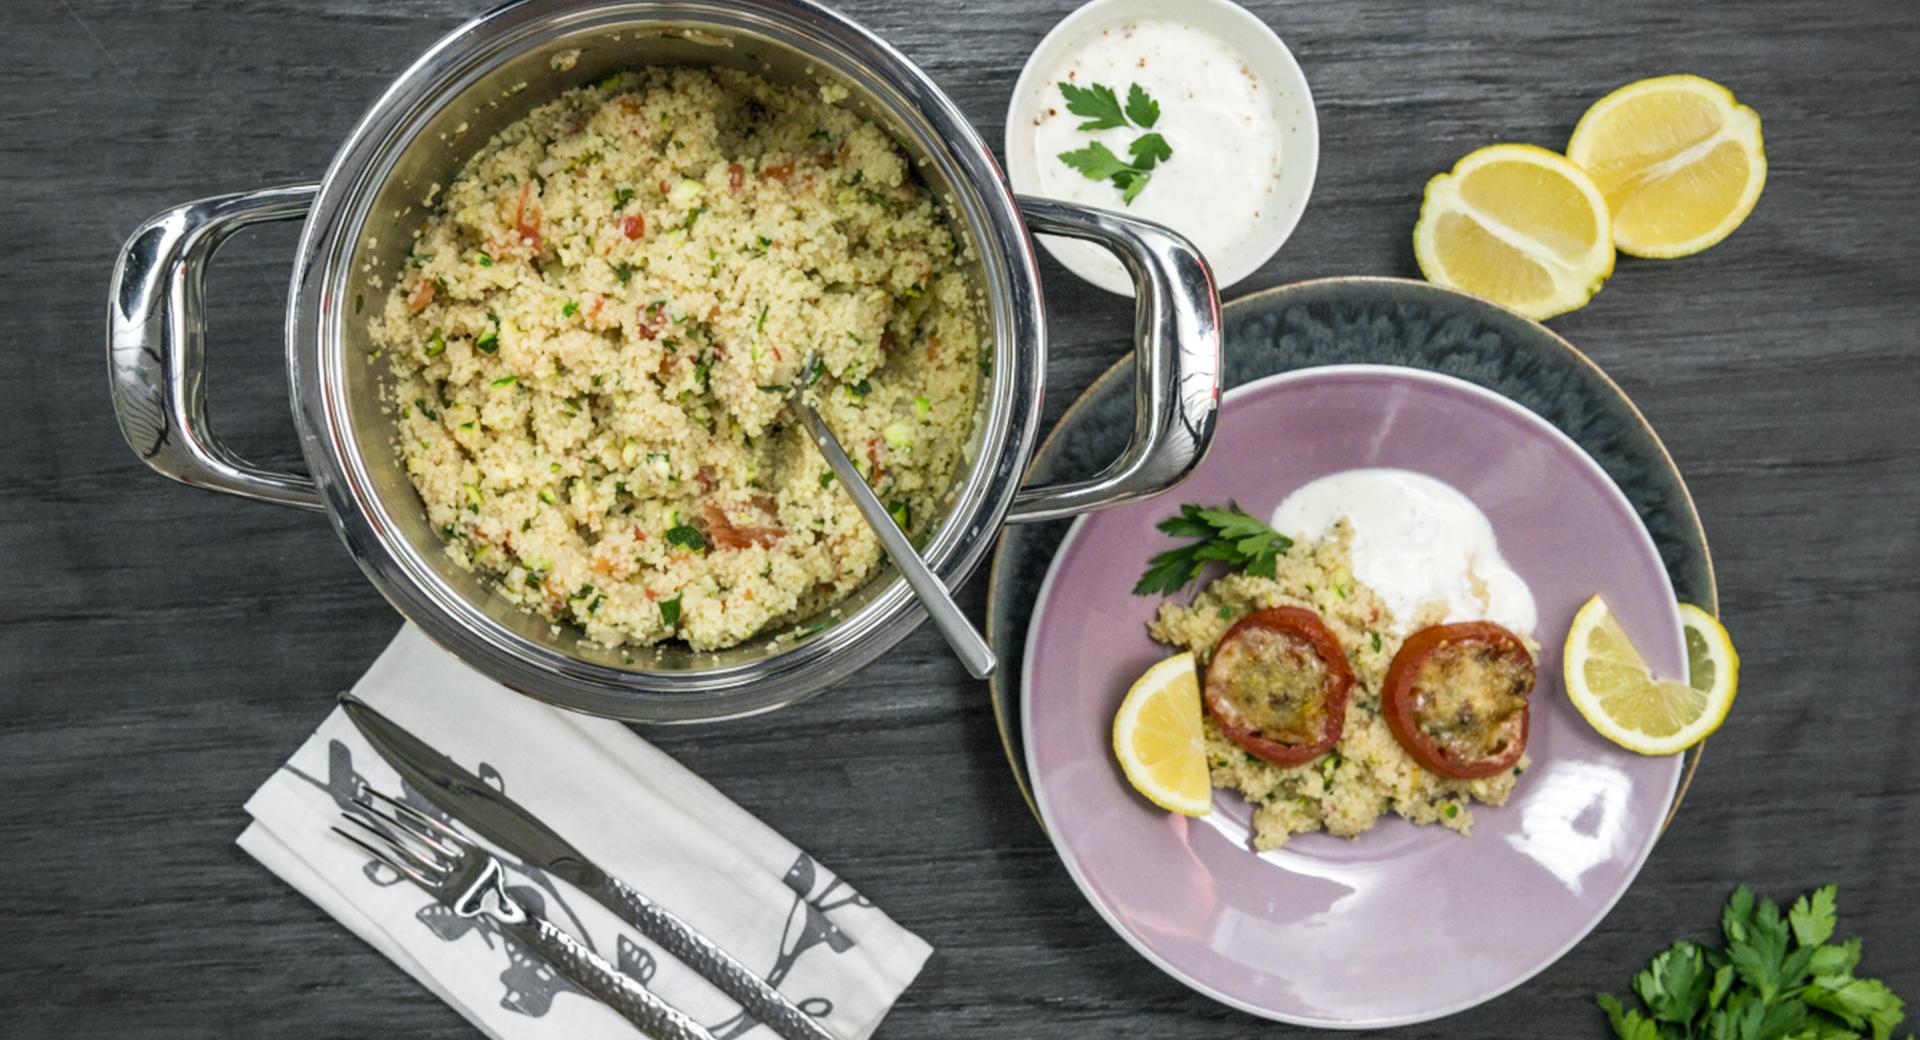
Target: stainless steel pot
x=359, y=220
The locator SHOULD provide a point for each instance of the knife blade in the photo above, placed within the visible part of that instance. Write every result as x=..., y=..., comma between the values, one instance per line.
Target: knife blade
x=501, y=820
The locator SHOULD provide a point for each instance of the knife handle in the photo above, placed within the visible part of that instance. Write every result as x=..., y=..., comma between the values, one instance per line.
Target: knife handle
x=591, y=972
x=755, y=995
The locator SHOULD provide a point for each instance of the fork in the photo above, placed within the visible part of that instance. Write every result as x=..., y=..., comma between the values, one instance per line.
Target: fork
x=469, y=881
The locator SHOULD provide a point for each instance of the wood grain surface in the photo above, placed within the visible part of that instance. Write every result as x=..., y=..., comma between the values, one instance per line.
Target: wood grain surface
x=162, y=649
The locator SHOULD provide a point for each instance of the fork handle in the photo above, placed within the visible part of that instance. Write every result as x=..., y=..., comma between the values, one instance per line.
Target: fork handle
x=755, y=995
x=593, y=973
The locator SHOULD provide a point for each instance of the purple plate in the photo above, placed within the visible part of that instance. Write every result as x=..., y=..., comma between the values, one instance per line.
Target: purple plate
x=1403, y=923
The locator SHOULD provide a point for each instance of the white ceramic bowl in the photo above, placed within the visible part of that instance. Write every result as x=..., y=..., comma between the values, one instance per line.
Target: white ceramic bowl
x=1295, y=123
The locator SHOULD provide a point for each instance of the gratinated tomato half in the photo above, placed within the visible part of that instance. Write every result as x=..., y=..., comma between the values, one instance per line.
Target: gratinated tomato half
x=1277, y=685
x=1456, y=698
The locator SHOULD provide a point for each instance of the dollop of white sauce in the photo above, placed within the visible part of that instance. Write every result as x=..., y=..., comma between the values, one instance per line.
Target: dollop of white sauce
x=1416, y=541
x=1221, y=121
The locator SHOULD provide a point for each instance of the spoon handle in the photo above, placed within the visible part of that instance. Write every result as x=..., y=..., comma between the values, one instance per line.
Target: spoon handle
x=947, y=617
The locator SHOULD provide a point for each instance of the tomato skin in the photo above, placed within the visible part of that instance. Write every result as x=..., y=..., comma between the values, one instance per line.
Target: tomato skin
x=527, y=222
x=1305, y=626
x=1400, y=702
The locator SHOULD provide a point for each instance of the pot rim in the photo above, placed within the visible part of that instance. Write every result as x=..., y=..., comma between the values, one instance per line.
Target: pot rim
x=336, y=456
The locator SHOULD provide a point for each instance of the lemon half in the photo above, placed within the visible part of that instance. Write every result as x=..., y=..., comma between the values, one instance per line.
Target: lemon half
x=1610, y=684
x=1159, y=740
x=1518, y=225
x=1681, y=163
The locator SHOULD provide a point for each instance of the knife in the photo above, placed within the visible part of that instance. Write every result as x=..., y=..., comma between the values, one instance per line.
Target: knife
x=501, y=820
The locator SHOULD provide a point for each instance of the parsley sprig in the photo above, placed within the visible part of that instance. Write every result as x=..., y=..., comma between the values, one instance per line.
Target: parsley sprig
x=1226, y=536
x=1776, y=979
x=1102, y=110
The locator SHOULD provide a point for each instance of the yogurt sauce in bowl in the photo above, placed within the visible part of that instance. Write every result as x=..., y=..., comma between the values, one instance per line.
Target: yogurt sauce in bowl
x=1233, y=108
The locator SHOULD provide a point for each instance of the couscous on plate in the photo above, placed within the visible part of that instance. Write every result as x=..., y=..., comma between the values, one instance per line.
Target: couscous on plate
x=1367, y=773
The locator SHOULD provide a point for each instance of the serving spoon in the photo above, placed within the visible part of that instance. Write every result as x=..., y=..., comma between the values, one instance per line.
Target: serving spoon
x=960, y=634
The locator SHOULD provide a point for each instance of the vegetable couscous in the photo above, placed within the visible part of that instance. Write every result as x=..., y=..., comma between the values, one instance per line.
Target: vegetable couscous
x=603, y=317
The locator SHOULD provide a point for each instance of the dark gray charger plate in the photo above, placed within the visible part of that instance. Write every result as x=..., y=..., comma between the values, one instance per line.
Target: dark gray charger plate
x=1386, y=321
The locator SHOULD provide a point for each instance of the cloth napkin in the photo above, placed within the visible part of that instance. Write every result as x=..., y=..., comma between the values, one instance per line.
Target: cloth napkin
x=627, y=806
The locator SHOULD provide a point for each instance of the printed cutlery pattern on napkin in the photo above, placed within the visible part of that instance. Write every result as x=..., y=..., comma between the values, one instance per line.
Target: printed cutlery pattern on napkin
x=827, y=947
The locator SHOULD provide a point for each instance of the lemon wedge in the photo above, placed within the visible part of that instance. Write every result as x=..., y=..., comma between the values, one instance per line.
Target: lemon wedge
x=1159, y=740
x=1679, y=160
x=1518, y=225
x=1610, y=684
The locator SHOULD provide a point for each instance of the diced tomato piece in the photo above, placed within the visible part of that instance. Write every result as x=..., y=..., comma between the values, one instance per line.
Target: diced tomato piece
x=652, y=320
x=724, y=534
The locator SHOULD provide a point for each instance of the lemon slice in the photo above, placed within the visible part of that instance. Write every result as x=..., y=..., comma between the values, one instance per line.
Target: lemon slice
x=1609, y=683
x=1158, y=738
x=1518, y=225
x=1713, y=667
x=1679, y=160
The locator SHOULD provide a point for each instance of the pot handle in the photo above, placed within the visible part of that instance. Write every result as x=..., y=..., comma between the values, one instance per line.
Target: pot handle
x=156, y=344
x=1176, y=334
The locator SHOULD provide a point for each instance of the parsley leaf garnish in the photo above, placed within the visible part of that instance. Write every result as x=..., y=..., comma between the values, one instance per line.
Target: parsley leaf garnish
x=1226, y=536
x=1143, y=110
x=1097, y=103
x=1148, y=149
x=1096, y=161
x=1131, y=183
x=670, y=611
x=1776, y=979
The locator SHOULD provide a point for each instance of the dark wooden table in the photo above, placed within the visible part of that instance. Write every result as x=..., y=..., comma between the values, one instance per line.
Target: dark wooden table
x=162, y=649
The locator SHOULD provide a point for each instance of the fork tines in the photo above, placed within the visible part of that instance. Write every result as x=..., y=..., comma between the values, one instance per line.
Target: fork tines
x=408, y=840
